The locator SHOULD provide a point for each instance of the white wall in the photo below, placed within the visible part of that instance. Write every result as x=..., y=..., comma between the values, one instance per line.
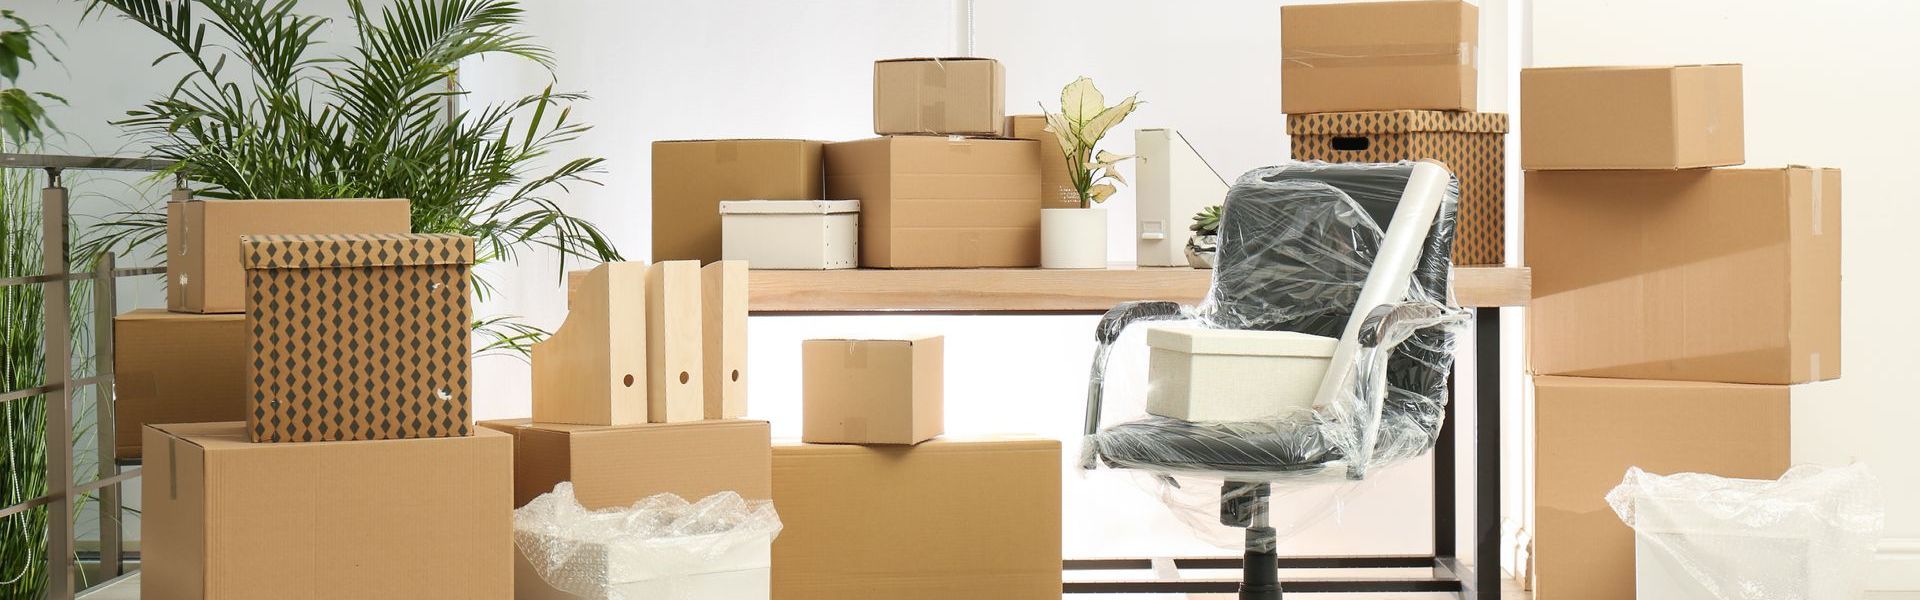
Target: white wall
x=1827, y=84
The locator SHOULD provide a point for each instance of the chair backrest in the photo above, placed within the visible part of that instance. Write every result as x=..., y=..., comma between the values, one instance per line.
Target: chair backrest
x=1296, y=244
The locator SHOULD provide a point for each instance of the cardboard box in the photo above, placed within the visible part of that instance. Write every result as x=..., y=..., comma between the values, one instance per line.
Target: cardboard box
x=872, y=391
x=203, y=240
x=723, y=331
x=948, y=519
x=1056, y=186
x=939, y=96
x=222, y=518
x=1590, y=430
x=1703, y=275
x=616, y=466
x=1672, y=117
x=1417, y=54
x=941, y=202
x=171, y=367
x=691, y=177
x=358, y=337
x=1473, y=146
x=593, y=369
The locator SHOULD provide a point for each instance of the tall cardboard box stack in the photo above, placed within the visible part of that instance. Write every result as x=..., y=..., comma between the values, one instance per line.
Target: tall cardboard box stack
x=641, y=392
x=877, y=505
x=1391, y=81
x=356, y=472
x=1678, y=303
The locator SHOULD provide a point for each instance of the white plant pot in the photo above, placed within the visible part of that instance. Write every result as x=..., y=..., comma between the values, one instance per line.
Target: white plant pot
x=1073, y=238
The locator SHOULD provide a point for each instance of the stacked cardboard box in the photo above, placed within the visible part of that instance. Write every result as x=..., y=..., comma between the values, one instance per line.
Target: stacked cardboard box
x=1677, y=303
x=1390, y=81
x=351, y=363
x=876, y=504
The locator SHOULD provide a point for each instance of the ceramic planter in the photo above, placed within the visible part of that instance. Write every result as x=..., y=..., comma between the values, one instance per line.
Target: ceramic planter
x=1073, y=238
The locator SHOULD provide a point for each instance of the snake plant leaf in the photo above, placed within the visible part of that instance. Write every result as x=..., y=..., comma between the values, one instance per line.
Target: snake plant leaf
x=1098, y=126
x=1080, y=101
x=1100, y=192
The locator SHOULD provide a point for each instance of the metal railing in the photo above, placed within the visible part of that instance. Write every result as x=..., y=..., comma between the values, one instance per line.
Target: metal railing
x=58, y=385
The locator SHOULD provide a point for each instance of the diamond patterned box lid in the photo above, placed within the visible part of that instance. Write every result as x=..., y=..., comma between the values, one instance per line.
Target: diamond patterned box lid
x=355, y=250
x=1395, y=121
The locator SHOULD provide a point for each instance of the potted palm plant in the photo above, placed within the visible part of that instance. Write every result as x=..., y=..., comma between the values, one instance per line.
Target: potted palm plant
x=1076, y=238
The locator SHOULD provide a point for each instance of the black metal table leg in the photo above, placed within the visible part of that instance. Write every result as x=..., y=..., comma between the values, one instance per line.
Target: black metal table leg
x=1486, y=498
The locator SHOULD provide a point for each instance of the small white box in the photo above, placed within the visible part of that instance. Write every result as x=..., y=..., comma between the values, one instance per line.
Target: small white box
x=1224, y=375
x=741, y=572
x=791, y=234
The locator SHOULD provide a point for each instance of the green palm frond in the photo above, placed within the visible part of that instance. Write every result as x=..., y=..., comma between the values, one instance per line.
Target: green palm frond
x=261, y=113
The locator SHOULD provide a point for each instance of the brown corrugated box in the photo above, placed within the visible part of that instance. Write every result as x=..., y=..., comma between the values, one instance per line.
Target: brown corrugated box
x=1056, y=186
x=614, y=466
x=1591, y=430
x=1666, y=117
x=1419, y=54
x=691, y=177
x=941, y=202
x=872, y=391
x=358, y=337
x=173, y=367
x=1703, y=275
x=958, y=519
x=1473, y=146
x=203, y=240
x=222, y=518
x=939, y=96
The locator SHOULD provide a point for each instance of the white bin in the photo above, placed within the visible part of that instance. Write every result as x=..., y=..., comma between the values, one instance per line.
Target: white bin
x=1223, y=375
x=791, y=234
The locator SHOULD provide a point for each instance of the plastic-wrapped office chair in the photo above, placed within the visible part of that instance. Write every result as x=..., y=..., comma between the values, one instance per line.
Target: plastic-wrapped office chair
x=1297, y=245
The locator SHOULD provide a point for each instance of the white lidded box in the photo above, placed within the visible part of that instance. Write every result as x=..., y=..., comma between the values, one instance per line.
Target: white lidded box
x=791, y=234
x=1223, y=375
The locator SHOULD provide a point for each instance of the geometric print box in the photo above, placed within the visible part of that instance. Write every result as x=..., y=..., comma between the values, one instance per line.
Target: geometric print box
x=1472, y=144
x=358, y=337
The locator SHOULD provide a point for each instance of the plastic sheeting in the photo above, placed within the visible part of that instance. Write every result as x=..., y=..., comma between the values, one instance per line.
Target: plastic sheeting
x=1296, y=244
x=591, y=552
x=1809, y=535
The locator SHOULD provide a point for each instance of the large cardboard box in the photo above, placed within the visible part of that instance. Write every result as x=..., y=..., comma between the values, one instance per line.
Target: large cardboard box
x=691, y=177
x=171, y=367
x=613, y=466
x=1590, y=430
x=358, y=337
x=1418, y=54
x=950, y=519
x=872, y=391
x=203, y=240
x=1473, y=146
x=941, y=202
x=1056, y=186
x=1669, y=117
x=1704, y=275
x=939, y=96
x=223, y=518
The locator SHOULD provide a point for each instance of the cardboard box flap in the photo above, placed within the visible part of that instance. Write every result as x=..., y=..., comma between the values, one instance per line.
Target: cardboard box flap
x=932, y=59
x=788, y=207
x=1396, y=121
x=359, y=250
x=748, y=140
x=1633, y=67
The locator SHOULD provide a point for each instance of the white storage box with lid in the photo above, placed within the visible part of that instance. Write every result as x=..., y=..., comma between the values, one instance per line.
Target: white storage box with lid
x=1223, y=375
x=791, y=234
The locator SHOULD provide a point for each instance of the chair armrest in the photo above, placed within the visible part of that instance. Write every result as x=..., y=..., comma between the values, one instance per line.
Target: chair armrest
x=1389, y=317
x=1111, y=326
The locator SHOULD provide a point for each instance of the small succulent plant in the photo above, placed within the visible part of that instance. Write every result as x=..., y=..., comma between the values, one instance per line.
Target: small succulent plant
x=1207, y=221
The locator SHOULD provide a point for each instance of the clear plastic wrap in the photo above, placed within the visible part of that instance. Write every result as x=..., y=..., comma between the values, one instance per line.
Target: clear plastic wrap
x=1809, y=535
x=1297, y=242
x=660, y=541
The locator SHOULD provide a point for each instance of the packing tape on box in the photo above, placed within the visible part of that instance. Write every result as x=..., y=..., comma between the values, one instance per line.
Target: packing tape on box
x=1816, y=199
x=856, y=355
x=936, y=77
x=933, y=115
x=1382, y=55
x=854, y=428
x=1813, y=366
x=173, y=468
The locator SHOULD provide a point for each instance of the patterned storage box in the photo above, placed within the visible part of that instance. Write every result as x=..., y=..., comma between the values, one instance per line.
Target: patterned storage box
x=1472, y=144
x=358, y=337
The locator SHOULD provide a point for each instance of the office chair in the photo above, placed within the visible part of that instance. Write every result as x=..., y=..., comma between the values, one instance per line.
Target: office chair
x=1298, y=245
